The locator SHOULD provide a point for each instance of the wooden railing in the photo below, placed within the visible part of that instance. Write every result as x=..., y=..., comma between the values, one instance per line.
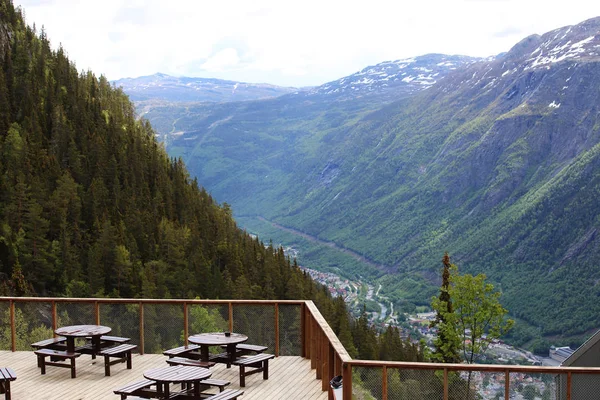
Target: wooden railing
x=315, y=341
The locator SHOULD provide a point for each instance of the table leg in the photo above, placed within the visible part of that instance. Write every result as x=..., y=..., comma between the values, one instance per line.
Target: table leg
x=162, y=390
x=95, y=345
x=230, y=354
x=166, y=390
x=204, y=352
x=196, y=388
x=70, y=344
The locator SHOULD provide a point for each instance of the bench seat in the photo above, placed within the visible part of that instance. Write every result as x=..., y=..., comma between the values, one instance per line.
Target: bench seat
x=183, y=351
x=55, y=356
x=258, y=363
x=244, y=349
x=226, y=395
x=57, y=343
x=114, y=339
x=189, y=362
x=135, y=389
x=121, y=352
x=7, y=375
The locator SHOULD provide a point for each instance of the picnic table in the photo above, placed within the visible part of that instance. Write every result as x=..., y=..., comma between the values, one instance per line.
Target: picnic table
x=83, y=331
x=190, y=377
x=229, y=340
x=7, y=375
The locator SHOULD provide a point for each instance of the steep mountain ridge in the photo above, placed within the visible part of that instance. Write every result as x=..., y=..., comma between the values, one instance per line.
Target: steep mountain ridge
x=394, y=79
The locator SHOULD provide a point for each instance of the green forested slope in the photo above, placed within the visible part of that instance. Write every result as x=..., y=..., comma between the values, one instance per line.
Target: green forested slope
x=496, y=164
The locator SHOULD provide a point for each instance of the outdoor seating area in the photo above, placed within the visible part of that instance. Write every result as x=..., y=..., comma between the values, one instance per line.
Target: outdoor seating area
x=61, y=351
x=291, y=377
x=186, y=375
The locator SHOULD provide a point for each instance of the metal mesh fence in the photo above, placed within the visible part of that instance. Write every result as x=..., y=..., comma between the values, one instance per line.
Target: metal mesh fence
x=532, y=386
x=290, y=334
x=33, y=322
x=367, y=383
x=5, y=333
x=123, y=319
x=163, y=327
x=257, y=322
x=583, y=386
x=75, y=314
x=417, y=384
x=204, y=318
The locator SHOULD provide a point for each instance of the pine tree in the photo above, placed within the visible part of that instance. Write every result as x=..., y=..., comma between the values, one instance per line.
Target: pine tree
x=446, y=346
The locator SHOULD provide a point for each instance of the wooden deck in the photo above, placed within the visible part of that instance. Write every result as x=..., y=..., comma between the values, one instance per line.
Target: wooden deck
x=289, y=378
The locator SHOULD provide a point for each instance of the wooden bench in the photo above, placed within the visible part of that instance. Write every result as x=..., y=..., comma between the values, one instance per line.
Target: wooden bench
x=207, y=383
x=135, y=389
x=121, y=352
x=190, y=362
x=112, y=340
x=244, y=349
x=184, y=351
x=57, y=343
x=258, y=363
x=226, y=395
x=7, y=375
x=220, y=358
x=55, y=356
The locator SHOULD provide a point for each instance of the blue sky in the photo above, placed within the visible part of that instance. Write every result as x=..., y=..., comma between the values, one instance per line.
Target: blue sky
x=283, y=42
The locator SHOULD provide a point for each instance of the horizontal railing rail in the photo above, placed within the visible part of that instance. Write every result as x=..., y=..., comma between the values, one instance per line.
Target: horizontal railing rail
x=304, y=329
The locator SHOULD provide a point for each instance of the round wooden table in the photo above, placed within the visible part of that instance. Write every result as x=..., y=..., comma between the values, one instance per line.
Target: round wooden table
x=205, y=340
x=191, y=376
x=78, y=331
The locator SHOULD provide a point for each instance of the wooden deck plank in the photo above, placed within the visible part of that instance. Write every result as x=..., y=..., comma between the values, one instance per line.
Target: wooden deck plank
x=289, y=377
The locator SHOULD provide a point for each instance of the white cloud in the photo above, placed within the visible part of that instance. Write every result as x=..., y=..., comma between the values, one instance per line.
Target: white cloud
x=223, y=60
x=291, y=43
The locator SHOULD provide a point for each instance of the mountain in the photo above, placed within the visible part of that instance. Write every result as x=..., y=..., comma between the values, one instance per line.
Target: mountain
x=496, y=163
x=182, y=89
x=394, y=79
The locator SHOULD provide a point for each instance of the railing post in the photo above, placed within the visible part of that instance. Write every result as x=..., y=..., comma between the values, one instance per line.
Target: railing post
x=185, y=323
x=13, y=328
x=569, y=385
x=276, y=329
x=308, y=336
x=445, y=383
x=384, y=383
x=303, y=329
x=230, y=317
x=318, y=350
x=347, y=381
x=54, y=319
x=331, y=369
x=141, y=328
x=324, y=363
x=97, y=312
x=313, y=339
x=507, y=385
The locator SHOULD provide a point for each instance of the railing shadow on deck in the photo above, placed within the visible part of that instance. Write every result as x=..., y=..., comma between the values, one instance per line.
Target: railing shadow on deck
x=288, y=327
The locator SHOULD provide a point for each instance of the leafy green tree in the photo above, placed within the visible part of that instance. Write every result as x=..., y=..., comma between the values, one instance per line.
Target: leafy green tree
x=477, y=316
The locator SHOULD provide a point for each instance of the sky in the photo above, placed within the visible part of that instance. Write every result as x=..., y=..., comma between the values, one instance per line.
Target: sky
x=285, y=42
